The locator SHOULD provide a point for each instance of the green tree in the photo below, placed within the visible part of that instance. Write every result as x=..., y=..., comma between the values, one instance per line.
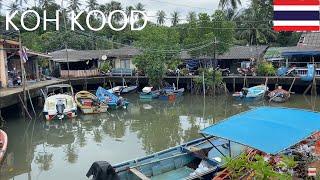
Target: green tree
x=161, y=15
x=192, y=17
x=13, y=7
x=160, y=46
x=74, y=5
x=229, y=3
x=175, y=18
x=92, y=4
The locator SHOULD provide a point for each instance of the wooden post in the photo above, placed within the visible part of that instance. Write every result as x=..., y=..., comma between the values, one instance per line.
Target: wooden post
x=292, y=84
x=234, y=84
x=23, y=74
x=3, y=66
x=36, y=66
x=204, y=86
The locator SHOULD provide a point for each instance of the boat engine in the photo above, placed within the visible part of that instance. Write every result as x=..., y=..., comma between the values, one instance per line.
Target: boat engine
x=60, y=109
x=102, y=170
x=121, y=102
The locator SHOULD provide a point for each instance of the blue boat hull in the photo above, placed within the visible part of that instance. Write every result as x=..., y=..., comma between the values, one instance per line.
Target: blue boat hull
x=114, y=101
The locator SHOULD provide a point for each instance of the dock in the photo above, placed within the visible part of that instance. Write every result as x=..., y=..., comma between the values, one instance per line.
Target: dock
x=10, y=96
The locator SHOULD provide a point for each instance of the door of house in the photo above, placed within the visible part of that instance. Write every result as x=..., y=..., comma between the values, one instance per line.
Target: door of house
x=125, y=63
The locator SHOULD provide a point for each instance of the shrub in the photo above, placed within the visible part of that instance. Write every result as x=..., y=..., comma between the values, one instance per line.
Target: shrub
x=266, y=69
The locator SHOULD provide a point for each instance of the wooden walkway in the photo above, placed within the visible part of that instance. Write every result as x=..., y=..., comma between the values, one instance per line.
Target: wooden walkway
x=9, y=96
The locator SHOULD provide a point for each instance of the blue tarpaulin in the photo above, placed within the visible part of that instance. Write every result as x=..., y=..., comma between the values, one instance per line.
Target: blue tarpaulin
x=268, y=129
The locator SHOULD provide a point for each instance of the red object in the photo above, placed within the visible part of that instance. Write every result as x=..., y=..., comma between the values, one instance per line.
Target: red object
x=317, y=147
x=296, y=28
x=87, y=102
x=171, y=97
x=296, y=2
x=3, y=144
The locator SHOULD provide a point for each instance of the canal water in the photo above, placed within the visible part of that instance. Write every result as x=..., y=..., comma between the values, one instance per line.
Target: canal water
x=65, y=150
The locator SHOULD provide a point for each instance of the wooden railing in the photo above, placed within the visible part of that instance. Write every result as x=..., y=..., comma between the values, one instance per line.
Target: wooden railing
x=79, y=73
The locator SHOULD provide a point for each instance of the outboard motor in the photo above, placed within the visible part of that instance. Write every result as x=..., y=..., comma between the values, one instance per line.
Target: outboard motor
x=120, y=101
x=102, y=170
x=60, y=109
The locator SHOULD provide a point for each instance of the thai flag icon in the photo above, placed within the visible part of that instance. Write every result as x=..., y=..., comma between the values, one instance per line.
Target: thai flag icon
x=296, y=15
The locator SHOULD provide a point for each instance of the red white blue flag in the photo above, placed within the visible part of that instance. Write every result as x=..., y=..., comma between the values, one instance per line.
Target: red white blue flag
x=296, y=15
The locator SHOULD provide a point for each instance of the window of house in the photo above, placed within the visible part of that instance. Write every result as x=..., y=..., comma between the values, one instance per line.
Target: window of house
x=125, y=63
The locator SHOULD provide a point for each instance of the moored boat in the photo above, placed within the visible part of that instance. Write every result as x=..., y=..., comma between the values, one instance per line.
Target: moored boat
x=59, y=102
x=3, y=144
x=113, y=101
x=253, y=93
x=147, y=93
x=128, y=89
x=279, y=95
x=89, y=103
x=168, y=96
x=204, y=158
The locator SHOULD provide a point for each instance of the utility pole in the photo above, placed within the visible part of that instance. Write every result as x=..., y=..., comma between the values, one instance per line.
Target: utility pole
x=23, y=76
x=66, y=43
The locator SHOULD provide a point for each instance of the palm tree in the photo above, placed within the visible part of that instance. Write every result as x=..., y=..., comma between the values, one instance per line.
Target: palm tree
x=192, y=17
x=128, y=10
x=233, y=3
x=45, y=3
x=13, y=7
x=92, y=4
x=74, y=5
x=175, y=18
x=255, y=26
x=139, y=7
x=161, y=15
x=112, y=6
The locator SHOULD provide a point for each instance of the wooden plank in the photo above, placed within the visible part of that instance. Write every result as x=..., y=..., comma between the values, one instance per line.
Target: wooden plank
x=139, y=174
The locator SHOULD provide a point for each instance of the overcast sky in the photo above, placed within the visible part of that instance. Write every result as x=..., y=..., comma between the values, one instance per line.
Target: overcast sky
x=152, y=6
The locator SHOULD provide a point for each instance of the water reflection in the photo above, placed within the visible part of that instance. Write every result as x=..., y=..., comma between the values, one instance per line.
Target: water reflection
x=55, y=150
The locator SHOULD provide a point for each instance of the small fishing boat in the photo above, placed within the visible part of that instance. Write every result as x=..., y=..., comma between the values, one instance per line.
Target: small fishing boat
x=128, y=89
x=3, y=144
x=147, y=93
x=59, y=102
x=172, y=89
x=253, y=93
x=167, y=96
x=279, y=95
x=273, y=132
x=89, y=103
x=113, y=101
x=310, y=73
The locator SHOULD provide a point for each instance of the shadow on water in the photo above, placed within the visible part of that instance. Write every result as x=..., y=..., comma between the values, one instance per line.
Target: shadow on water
x=55, y=150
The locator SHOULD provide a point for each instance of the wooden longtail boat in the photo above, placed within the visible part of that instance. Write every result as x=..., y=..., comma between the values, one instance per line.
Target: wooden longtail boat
x=253, y=93
x=279, y=95
x=89, y=103
x=3, y=144
x=267, y=129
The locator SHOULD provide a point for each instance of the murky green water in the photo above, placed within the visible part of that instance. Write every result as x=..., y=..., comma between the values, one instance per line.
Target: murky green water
x=65, y=150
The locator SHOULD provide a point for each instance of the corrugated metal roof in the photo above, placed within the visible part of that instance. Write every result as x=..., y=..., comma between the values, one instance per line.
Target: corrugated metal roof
x=235, y=52
x=84, y=55
x=310, y=39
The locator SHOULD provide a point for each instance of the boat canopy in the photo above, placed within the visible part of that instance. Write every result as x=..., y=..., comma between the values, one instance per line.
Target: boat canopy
x=268, y=129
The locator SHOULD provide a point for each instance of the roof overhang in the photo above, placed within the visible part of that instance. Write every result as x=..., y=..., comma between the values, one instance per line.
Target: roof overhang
x=267, y=129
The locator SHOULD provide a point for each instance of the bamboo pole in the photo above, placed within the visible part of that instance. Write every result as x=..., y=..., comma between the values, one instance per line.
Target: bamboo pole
x=292, y=84
x=204, y=86
x=23, y=75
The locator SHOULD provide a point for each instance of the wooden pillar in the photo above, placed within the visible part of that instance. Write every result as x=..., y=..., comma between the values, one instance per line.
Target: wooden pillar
x=36, y=66
x=3, y=66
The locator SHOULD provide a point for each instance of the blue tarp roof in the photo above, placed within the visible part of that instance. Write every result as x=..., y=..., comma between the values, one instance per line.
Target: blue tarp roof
x=301, y=53
x=267, y=129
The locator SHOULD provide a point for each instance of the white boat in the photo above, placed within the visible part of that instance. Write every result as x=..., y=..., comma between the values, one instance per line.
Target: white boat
x=59, y=102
